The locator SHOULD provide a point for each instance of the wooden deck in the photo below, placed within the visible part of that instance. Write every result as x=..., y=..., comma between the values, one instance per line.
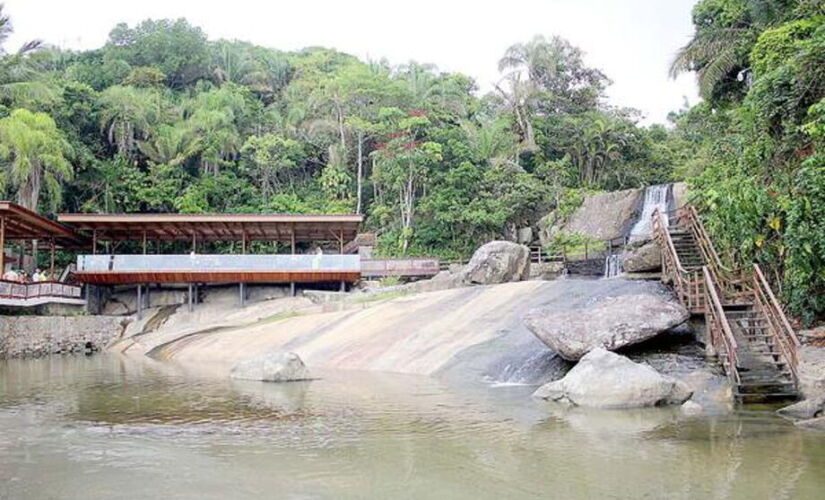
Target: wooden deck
x=213, y=276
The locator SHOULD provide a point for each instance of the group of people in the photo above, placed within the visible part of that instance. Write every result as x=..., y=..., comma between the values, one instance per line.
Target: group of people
x=21, y=276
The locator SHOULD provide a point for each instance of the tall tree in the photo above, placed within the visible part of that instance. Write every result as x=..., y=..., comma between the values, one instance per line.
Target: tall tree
x=34, y=153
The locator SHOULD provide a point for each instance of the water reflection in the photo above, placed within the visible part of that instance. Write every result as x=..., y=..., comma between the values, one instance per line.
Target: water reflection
x=107, y=427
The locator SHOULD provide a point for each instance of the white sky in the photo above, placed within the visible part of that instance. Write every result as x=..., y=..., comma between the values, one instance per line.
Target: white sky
x=632, y=41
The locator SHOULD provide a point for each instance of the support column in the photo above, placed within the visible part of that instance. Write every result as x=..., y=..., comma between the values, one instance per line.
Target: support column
x=343, y=286
x=94, y=242
x=88, y=292
x=51, y=259
x=139, y=302
x=191, y=306
x=292, y=249
x=242, y=293
x=2, y=245
x=144, y=242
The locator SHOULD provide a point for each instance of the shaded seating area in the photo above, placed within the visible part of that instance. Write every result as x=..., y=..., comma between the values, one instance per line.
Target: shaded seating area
x=149, y=231
x=26, y=230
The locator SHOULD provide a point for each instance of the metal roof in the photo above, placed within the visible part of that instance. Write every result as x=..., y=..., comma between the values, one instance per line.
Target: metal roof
x=23, y=224
x=216, y=227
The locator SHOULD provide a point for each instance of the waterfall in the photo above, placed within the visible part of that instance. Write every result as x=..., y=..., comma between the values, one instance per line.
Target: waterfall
x=612, y=265
x=655, y=197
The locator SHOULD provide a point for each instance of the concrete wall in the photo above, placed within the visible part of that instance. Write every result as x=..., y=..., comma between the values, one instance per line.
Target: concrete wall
x=33, y=336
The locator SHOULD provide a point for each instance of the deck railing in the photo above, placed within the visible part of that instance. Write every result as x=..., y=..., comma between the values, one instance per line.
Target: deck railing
x=719, y=330
x=689, y=284
x=778, y=326
x=423, y=267
x=42, y=289
x=199, y=262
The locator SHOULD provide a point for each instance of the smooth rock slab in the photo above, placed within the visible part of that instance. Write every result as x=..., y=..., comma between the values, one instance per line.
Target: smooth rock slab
x=611, y=323
x=498, y=262
x=805, y=409
x=272, y=366
x=603, y=379
x=813, y=424
x=645, y=258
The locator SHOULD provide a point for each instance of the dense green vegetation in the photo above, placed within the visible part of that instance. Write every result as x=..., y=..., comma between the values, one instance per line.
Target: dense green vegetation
x=162, y=119
x=753, y=150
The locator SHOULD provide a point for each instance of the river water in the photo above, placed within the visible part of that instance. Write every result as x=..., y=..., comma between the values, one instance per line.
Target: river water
x=108, y=427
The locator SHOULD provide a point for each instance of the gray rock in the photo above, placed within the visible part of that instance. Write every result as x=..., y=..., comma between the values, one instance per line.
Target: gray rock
x=645, y=258
x=605, y=216
x=603, y=379
x=811, y=371
x=498, y=262
x=611, y=323
x=692, y=409
x=272, y=366
x=804, y=410
x=524, y=235
x=680, y=194
x=814, y=424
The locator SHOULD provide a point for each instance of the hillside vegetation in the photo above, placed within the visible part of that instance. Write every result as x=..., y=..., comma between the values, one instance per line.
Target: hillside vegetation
x=163, y=119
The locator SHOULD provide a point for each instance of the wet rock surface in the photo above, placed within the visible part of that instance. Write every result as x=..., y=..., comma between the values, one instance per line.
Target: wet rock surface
x=603, y=379
x=609, y=323
x=645, y=258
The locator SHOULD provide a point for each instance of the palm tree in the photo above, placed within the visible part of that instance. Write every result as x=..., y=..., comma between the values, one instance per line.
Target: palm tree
x=719, y=49
x=170, y=144
x=17, y=73
x=128, y=114
x=33, y=152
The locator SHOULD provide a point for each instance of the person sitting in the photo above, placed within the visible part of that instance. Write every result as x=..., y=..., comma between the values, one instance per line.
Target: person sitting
x=36, y=277
x=11, y=275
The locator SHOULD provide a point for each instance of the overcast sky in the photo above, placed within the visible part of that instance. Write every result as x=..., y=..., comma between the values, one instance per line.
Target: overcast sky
x=632, y=41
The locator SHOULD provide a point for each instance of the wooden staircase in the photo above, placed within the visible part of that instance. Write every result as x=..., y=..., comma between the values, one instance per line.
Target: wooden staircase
x=746, y=326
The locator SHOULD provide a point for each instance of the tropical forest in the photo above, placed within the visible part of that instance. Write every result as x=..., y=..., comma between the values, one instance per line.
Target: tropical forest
x=165, y=119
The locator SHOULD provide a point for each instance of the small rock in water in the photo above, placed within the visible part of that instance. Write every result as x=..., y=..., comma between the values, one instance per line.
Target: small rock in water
x=611, y=323
x=272, y=366
x=804, y=410
x=692, y=408
x=603, y=379
x=814, y=424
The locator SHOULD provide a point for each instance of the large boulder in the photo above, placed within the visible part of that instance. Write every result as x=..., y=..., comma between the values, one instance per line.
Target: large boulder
x=610, y=323
x=602, y=216
x=272, y=366
x=498, y=262
x=647, y=257
x=805, y=409
x=603, y=379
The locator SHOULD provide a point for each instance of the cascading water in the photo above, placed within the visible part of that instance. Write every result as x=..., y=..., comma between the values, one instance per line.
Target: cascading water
x=655, y=197
x=612, y=265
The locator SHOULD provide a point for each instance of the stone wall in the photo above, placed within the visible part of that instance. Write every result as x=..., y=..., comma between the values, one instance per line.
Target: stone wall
x=34, y=336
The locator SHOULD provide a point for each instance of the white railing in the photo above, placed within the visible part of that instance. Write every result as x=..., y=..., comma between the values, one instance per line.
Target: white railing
x=198, y=262
x=24, y=291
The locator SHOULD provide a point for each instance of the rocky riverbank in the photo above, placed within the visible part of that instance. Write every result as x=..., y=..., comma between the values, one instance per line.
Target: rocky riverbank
x=35, y=336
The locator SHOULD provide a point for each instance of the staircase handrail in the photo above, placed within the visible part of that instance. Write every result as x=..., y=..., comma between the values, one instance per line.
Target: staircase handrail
x=733, y=284
x=778, y=324
x=713, y=307
x=660, y=231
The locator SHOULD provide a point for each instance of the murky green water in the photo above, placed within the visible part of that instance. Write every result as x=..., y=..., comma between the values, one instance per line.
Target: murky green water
x=104, y=427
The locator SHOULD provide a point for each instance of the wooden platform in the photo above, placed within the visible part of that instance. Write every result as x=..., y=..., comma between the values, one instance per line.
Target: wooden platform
x=214, y=276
